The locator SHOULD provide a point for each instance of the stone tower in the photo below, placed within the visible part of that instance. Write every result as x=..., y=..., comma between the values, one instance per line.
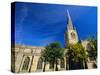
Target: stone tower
x=70, y=35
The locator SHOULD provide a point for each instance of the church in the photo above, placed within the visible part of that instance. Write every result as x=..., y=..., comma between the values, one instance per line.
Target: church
x=25, y=59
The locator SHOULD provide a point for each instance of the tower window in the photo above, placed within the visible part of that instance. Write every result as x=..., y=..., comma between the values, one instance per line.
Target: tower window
x=73, y=35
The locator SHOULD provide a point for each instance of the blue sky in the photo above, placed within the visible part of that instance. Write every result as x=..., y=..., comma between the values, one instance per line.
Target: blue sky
x=39, y=24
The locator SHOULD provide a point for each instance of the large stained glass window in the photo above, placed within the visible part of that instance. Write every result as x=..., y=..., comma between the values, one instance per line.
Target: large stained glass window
x=26, y=63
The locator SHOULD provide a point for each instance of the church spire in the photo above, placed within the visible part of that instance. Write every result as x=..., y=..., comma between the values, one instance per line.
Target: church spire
x=70, y=36
x=69, y=21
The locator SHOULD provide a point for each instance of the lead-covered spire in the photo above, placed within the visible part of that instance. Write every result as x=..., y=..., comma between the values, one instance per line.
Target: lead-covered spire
x=69, y=21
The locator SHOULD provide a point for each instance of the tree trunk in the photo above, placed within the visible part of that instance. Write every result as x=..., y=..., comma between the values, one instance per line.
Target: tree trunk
x=67, y=64
x=44, y=67
x=84, y=64
x=56, y=69
x=53, y=66
x=86, y=67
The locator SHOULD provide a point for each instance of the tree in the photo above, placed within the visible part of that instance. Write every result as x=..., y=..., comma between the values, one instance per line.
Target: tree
x=92, y=48
x=76, y=56
x=44, y=56
x=52, y=53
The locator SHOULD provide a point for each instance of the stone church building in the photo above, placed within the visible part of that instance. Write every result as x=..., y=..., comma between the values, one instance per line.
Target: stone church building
x=27, y=58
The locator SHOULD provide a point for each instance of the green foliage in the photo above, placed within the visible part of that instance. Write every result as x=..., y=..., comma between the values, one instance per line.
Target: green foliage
x=55, y=51
x=52, y=53
x=92, y=48
x=77, y=52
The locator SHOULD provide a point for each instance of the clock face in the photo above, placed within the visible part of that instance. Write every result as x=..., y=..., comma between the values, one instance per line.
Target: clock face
x=73, y=35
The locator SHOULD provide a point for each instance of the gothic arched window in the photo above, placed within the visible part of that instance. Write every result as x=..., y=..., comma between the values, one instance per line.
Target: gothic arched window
x=62, y=63
x=39, y=65
x=26, y=63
